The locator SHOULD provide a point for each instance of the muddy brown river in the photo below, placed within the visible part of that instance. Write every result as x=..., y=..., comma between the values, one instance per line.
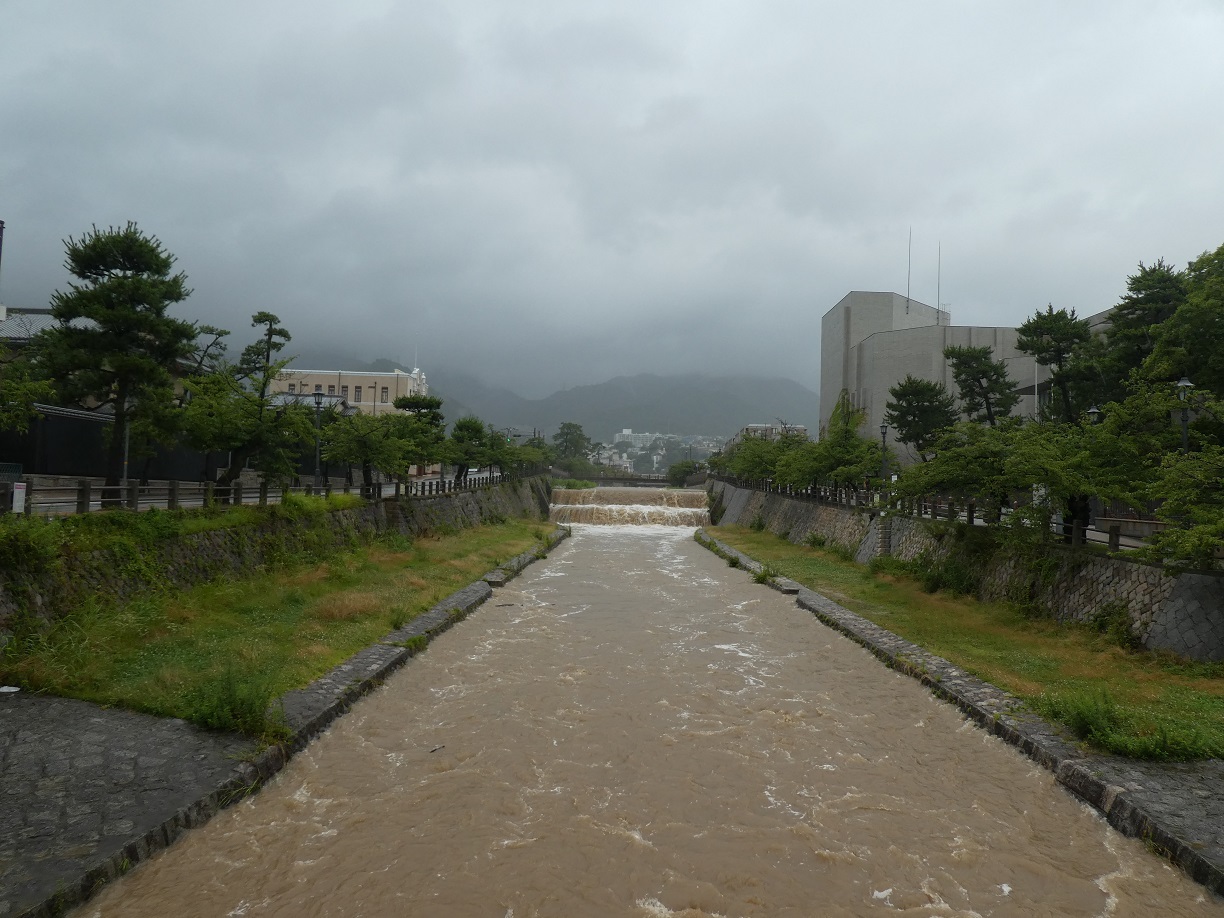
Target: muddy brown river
x=632, y=728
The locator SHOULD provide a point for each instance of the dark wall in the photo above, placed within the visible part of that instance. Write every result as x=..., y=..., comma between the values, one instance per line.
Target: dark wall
x=75, y=447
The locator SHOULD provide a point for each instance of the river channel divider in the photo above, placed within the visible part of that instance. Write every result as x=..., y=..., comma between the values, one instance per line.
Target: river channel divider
x=1176, y=809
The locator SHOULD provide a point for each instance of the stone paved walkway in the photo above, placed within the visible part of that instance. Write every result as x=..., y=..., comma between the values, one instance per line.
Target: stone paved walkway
x=81, y=783
x=1178, y=808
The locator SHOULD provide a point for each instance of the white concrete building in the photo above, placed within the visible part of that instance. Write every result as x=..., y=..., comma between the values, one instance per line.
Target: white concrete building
x=872, y=341
x=370, y=393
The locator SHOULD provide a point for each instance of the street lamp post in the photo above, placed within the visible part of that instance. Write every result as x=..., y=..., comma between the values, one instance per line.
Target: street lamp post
x=318, y=479
x=1183, y=393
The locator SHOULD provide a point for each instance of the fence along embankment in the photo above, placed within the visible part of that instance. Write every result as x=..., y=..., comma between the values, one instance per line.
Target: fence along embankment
x=1182, y=613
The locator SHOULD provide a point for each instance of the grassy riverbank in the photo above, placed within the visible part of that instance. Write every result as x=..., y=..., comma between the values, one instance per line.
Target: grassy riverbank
x=1131, y=703
x=218, y=654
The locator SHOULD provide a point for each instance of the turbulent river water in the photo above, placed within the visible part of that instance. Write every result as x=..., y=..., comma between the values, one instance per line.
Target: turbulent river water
x=632, y=728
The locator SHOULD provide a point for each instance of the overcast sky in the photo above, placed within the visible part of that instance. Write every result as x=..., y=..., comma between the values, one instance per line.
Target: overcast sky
x=553, y=193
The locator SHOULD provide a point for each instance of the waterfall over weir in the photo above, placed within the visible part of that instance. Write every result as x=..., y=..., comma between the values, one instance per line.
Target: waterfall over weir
x=629, y=506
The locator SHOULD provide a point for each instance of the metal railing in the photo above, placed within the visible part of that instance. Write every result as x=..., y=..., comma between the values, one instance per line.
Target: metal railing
x=933, y=507
x=89, y=495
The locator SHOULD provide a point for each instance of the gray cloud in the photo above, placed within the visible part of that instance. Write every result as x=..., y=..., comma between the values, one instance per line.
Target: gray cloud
x=550, y=193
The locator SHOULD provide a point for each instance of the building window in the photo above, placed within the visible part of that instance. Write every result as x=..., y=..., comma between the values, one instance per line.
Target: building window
x=356, y=393
x=331, y=390
x=386, y=395
x=292, y=388
x=344, y=392
x=318, y=388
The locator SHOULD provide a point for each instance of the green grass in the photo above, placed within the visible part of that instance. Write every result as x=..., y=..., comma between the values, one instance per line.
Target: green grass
x=1132, y=703
x=219, y=654
x=574, y=484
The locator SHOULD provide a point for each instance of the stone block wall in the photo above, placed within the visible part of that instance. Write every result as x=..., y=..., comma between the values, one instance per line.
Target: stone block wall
x=1181, y=613
x=794, y=519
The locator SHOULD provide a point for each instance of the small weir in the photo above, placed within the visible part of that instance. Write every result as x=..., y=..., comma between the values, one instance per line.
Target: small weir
x=629, y=506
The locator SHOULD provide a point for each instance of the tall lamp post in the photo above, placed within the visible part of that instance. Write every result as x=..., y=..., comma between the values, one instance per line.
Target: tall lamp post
x=884, y=456
x=318, y=400
x=1183, y=393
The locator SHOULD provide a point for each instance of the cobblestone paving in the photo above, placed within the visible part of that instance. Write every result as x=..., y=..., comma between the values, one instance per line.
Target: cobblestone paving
x=1178, y=808
x=87, y=792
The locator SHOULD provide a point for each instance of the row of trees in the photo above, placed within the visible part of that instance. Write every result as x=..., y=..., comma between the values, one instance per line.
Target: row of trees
x=1135, y=414
x=116, y=348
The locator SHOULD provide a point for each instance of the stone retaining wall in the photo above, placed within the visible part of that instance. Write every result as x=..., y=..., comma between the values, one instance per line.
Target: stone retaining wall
x=1181, y=613
x=183, y=562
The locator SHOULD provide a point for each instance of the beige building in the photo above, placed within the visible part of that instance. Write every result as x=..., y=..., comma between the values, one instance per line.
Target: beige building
x=371, y=393
x=872, y=341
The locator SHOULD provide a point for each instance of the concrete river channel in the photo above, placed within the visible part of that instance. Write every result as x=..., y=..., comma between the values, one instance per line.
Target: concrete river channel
x=633, y=728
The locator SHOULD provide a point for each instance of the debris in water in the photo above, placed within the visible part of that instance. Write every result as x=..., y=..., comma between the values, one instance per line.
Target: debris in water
x=436, y=748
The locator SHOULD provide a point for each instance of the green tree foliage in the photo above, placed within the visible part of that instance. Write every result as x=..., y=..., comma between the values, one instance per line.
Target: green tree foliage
x=1192, y=488
x=373, y=442
x=970, y=464
x=115, y=345
x=1190, y=342
x=755, y=457
x=542, y=452
x=571, y=443
x=1170, y=324
x=468, y=446
x=19, y=390
x=234, y=409
x=919, y=412
x=986, y=391
x=1153, y=294
x=678, y=473
x=425, y=432
x=1058, y=339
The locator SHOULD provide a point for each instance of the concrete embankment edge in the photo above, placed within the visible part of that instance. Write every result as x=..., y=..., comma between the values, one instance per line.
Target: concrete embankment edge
x=308, y=712
x=1006, y=717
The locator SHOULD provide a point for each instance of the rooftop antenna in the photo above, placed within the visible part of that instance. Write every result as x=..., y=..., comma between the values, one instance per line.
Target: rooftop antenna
x=938, y=278
x=909, y=262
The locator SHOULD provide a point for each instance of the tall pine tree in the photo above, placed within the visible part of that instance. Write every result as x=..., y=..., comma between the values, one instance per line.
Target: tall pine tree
x=115, y=346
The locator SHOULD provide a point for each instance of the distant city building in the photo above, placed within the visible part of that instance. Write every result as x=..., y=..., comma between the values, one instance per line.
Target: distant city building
x=871, y=341
x=767, y=432
x=370, y=393
x=640, y=440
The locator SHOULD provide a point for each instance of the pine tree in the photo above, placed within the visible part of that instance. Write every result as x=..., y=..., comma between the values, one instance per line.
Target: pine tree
x=920, y=411
x=986, y=392
x=115, y=345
